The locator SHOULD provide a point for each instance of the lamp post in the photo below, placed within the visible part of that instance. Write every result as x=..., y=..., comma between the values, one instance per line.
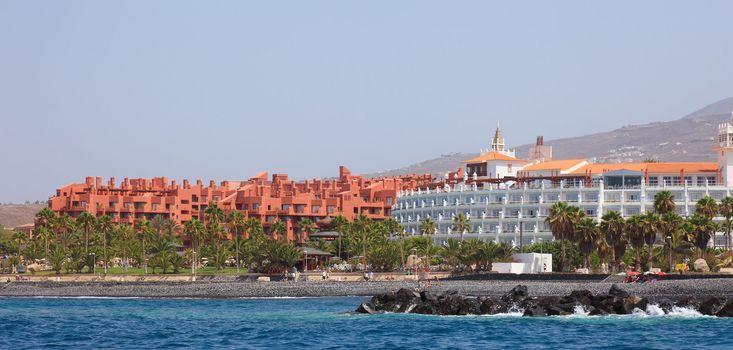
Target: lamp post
x=542, y=256
x=671, y=267
x=193, y=263
x=94, y=264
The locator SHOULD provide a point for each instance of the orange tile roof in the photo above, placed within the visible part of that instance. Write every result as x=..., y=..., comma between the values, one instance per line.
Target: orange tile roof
x=555, y=164
x=688, y=167
x=492, y=156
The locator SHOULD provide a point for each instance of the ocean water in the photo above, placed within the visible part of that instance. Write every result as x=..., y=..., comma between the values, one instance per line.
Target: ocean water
x=327, y=323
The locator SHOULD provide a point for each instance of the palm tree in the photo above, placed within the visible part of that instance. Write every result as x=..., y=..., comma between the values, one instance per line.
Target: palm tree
x=145, y=232
x=86, y=222
x=236, y=225
x=124, y=242
x=461, y=224
x=195, y=230
x=703, y=228
x=428, y=229
x=45, y=218
x=679, y=242
x=104, y=225
x=726, y=210
x=707, y=206
x=46, y=235
x=562, y=220
x=586, y=234
x=361, y=227
x=612, y=227
x=341, y=225
x=635, y=237
x=649, y=227
x=305, y=228
x=64, y=227
x=280, y=229
x=254, y=229
x=664, y=202
x=451, y=252
x=213, y=215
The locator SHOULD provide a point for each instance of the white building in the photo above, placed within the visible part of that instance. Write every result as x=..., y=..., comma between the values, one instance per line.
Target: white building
x=505, y=197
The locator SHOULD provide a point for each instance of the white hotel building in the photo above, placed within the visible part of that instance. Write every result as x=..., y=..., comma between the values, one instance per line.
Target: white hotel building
x=506, y=198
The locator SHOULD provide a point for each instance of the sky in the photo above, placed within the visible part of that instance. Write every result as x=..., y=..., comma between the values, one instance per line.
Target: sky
x=226, y=89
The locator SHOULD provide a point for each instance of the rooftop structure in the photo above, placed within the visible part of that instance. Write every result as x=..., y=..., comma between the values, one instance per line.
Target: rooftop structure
x=268, y=200
x=507, y=198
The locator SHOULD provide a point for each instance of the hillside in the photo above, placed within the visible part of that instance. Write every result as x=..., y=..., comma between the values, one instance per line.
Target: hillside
x=694, y=135
x=12, y=215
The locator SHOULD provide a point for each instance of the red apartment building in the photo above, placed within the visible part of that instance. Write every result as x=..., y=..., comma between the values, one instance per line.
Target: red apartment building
x=265, y=199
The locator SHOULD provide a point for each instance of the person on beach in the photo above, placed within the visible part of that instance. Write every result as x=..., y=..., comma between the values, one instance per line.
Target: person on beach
x=324, y=275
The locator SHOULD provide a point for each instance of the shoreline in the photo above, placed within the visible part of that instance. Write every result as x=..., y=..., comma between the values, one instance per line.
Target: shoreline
x=671, y=289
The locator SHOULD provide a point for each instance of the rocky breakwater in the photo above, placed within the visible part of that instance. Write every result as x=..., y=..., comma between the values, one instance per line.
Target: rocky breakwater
x=616, y=302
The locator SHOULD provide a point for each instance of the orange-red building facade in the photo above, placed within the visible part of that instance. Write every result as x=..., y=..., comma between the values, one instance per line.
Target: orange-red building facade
x=266, y=199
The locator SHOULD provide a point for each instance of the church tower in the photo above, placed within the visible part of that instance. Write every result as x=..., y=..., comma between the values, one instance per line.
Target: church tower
x=725, y=151
x=497, y=143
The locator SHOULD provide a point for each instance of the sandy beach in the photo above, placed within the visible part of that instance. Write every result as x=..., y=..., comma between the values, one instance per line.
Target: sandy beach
x=209, y=289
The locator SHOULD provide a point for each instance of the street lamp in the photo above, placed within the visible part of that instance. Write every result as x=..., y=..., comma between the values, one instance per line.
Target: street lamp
x=193, y=263
x=94, y=264
x=671, y=267
x=542, y=256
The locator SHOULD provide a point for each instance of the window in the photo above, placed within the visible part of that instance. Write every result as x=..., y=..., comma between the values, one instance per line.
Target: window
x=653, y=181
x=255, y=206
x=389, y=200
x=676, y=181
x=509, y=168
x=286, y=207
x=299, y=208
x=331, y=209
x=667, y=180
x=701, y=181
x=688, y=180
x=315, y=208
x=712, y=181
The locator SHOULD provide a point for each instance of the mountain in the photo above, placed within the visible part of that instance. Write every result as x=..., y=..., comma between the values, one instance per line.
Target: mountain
x=12, y=215
x=694, y=135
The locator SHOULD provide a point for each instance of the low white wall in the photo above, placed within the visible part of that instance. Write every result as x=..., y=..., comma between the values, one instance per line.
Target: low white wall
x=525, y=263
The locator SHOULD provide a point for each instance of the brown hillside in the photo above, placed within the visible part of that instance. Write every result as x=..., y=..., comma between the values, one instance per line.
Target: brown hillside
x=12, y=215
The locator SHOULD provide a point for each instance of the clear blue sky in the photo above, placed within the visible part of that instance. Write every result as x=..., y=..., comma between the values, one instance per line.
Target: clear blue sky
x=224, y=89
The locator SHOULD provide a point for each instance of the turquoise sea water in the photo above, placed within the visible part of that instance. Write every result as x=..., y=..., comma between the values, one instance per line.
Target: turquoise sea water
x=326, y=323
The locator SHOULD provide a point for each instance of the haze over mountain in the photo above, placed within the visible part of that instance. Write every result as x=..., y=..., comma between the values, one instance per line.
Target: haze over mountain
x=690, y=138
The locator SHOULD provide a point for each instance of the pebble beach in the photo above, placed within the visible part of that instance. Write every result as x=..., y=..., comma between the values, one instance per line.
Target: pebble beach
x=672, y=289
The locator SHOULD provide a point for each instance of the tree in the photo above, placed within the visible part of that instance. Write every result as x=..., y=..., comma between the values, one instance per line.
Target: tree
x=195, y=231
x=254, y=229
x=124, y=243
x=462, y=224
x=105, y=226
x=702, y=229
x=664, y=202
x=562, y=220
x=305, y=226
x=236, y=226
x=586, y=234
x=162, y=251
x=58, y=257
x=649, y=227
x=427, y=228
x=86, y=222
x=64, y=227
x=280, y=229
x=45, y=218
x=45, y=234
x=451, y=252
x=726, y=210
x=361, y=228
x=612, y=226
x=280, y=255
x=213, y=215
x=707, y=206
x=635, y=237
x=145, y=233
x=341, y=225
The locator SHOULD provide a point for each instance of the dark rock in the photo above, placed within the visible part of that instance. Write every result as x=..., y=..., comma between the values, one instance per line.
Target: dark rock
x=426, y=308
x=726, y=310
x=664, y=304
x=593, y=311
x=405, y=294
x=712, y=306
x=547, y=301
x=450, y=304
x=616, y=291
x=516, y=294
x=688, y=302
x=489, y=307
x=633, y=302
x=366, y=308
x=427, y=296
x=557, y=311
x=581, y=297
x=535, y=311
x=470, y=306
